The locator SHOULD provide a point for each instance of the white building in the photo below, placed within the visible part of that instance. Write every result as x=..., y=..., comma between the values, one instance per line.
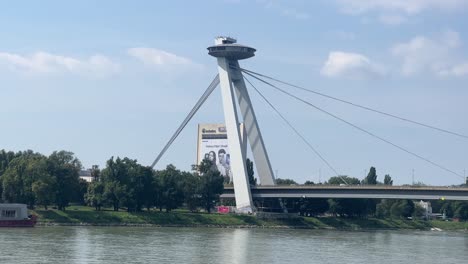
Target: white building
x=13, y=212
x=427, y=213
x=86, y=175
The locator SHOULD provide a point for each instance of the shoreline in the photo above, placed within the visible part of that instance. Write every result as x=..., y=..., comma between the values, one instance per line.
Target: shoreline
x=59, y=224
x=83, y=216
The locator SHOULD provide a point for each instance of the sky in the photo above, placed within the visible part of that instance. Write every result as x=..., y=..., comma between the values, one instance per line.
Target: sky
x=116, y=78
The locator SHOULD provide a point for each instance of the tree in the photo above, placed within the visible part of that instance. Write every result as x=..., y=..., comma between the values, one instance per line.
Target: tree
x=348, y=207
x=383, y=208
x=20, y=175
x=388, y=180
x=397, y=209
x=128, y=184
x=211, y=187
x=461, y=210
x=172, y=193
x=447, y=208
x=418, y=211
x=334, y=207
x=343, y=179
x=95, y=195
x=141, y=181
x=309, y=183
x=313, y=206
x=5, y=158
x=81, y=192
x=64, y=167
x=44, y=192
x=250, y=172
x=280, y=181
x=191, y=186
x=371, y=178
x=402, y=208
x=95, y=172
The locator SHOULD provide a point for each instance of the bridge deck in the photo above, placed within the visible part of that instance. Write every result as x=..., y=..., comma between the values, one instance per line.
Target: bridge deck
x=376, y=192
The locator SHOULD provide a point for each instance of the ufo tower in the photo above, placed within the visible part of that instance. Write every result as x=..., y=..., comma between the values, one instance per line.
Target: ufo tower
x=234, y=95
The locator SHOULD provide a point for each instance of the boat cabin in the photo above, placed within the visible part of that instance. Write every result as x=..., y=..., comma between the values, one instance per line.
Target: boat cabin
x=13, y=211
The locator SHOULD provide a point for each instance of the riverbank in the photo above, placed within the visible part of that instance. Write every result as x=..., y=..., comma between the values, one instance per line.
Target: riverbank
x=79, y=215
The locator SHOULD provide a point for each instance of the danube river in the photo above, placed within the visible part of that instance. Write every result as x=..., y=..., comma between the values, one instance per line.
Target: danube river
x=217, y=245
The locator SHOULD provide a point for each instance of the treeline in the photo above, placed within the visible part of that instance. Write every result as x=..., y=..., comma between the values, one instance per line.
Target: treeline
x=35, y=179
x=381, y=208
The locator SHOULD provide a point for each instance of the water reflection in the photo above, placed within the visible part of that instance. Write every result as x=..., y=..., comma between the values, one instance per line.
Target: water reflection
x=203, y=245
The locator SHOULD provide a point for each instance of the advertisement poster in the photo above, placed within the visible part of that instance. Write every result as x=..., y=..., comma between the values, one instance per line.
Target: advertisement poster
x=213, y=145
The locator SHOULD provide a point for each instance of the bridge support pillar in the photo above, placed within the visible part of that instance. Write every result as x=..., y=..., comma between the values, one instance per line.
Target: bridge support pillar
x=233, y=87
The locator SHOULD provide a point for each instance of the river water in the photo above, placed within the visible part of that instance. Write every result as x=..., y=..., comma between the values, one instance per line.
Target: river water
x=218, y=245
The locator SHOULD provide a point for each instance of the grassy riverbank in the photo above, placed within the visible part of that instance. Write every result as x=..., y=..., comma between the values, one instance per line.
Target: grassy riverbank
x=78, y=215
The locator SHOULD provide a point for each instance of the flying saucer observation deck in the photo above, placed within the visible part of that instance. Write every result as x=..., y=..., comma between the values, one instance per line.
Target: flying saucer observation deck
x=227, y=48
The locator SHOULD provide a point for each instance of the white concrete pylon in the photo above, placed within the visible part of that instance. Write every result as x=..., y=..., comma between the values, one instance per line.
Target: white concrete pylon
x=232, y=82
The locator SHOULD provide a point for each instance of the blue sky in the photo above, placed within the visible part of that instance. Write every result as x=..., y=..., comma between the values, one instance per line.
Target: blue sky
x=115, y=78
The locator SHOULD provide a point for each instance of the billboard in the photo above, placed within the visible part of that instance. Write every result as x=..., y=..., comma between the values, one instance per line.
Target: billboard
x=213, y=145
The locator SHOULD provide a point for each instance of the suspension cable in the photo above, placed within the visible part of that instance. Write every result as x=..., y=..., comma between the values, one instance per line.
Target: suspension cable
x=359, y=106
x=296, y=131
x=197, y=106
x=356, y=127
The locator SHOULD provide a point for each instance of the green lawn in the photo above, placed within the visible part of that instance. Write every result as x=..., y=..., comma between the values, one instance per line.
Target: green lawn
x=87, y=215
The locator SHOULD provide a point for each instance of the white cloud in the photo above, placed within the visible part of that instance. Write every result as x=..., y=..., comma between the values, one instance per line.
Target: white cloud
x=350, y=65
x=47, y=63
x=457, y=70
x=163, y=61
x=406, y=6
x=435, y=55
x=151, y=56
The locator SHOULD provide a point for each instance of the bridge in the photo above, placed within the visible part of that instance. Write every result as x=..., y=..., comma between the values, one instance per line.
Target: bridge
x=371, y=192
x=242, y=129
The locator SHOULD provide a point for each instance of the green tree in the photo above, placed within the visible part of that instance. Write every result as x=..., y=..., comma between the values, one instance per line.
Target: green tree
x=461, y=210
x=211, y=187
x=402, y=208
x=388, y=180
x=349, y=207
x=371, y=178
x=313, y=206
x=419, y=211
x=65, y=168
x=280, y=181
x=81, y=192
x=171, y=186
x=115, y=178
x=447, y=208
x=19, y=177
x=309, y=183
x=334, y=207
x=141, y=182
x=95, y=173
x=191, y=187
x=383, y=208
x=43, y=190
x=5, y=158
x=95, y=195
x=250, y=172
x=343, y=179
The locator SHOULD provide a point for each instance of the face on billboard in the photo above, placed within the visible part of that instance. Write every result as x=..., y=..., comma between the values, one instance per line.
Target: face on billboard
x=221, y=156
